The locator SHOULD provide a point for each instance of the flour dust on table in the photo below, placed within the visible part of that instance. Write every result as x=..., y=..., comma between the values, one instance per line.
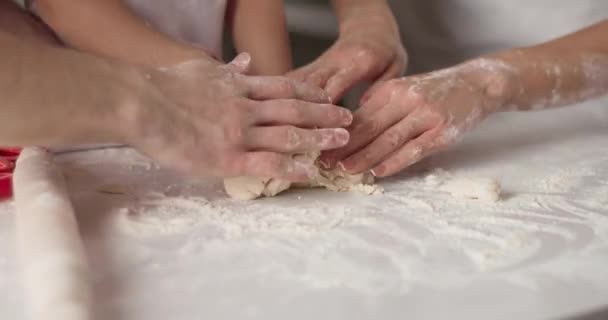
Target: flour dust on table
x=425, y=242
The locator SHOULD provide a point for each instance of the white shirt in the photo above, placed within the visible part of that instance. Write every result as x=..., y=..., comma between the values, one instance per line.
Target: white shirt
x=439, y=33
x=199, y=22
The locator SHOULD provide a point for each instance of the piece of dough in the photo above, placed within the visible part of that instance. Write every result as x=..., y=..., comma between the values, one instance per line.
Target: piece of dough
x=473, y=188
x=54, y=265
x=249, y=188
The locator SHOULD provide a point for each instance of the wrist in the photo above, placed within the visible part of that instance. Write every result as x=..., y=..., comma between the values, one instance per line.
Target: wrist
x=498, y=81
x=138, y=94
x=353, y=15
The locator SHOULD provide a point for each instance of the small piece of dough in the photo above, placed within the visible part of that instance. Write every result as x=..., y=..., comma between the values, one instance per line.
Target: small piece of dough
x=473, y=188
x=249, y=188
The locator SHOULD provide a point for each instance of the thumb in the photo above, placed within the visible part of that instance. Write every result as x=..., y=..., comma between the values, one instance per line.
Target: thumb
x=241, y=63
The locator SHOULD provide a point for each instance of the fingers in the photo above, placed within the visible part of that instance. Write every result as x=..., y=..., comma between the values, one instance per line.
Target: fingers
x=321, y=76
x=341, y=82
x=387, y=143
x=409, y=154
x=240, y=64
x=301, y=73
x=364, y=130
x=347, y=78
x=275, y=165
x=267, y=88
x=301, y=114
x=288, y=139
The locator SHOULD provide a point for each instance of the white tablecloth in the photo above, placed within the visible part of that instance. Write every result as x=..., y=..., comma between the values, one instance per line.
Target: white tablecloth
x=168, y=247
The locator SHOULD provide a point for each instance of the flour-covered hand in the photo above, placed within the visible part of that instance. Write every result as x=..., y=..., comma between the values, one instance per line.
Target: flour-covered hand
x=410, y=118
x=210, y=119
x=369, y=49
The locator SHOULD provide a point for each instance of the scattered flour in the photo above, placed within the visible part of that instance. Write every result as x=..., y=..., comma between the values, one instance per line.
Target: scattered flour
x=160, y=215
x=466, y=187
x=436, y=229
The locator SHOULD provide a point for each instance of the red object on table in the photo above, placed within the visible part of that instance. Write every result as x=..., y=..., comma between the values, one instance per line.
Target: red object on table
x=8, y=156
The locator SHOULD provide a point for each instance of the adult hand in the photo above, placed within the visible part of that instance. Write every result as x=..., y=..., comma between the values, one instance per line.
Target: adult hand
x=408, y=119
x=369, y=49
x=208, y=119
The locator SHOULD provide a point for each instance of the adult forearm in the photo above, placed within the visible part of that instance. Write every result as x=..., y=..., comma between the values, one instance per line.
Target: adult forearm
x=108, y=28
x=562, y=72
x=53, y=96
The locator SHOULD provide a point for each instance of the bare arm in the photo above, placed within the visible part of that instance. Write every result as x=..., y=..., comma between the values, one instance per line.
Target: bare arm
x=259, y=28
x=198, y=117
x=561, y=72
x=346, y=9
x=407, y=119
x=108, y=28
x=52, y=96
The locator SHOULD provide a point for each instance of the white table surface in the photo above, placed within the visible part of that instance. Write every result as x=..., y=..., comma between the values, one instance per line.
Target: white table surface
x=171, y=247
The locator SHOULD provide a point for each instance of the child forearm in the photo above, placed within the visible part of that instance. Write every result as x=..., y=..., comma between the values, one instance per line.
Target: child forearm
x=108, y=28
x=561, y=72
x=259, y=27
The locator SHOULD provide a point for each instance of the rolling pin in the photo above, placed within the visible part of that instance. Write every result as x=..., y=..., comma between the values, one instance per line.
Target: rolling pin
x=54, y=266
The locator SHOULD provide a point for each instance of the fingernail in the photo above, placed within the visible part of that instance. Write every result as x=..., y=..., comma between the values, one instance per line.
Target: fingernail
x=242, y=62
x=364, y=99
x=347, y=116
x=326, y=98
x=333, y=138
x=377, y=171
x=331, y=87
x=342, y=136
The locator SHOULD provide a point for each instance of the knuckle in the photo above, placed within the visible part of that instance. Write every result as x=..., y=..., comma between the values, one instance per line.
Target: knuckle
x=441, y=119
x=366, y=156
x=233, y=106
x=287, y=86
x=393, y=139
x=393, y=84
x=366, y=55
x=417, y=152
x=289, y=109
x=234, y=132
x=293, y=106
x=292, y=138
x=372, y=128
x=416, y=96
